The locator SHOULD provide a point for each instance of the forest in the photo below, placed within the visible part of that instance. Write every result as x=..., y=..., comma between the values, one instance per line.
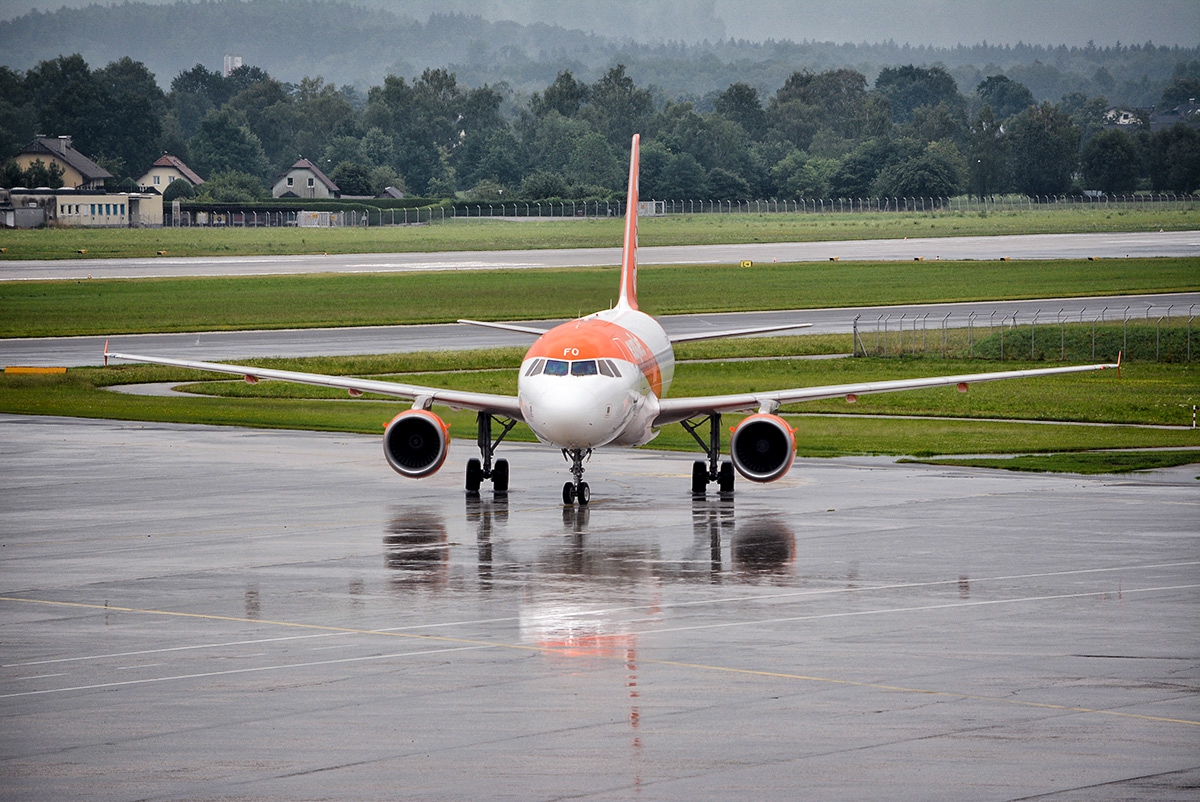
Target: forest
x=912, y=132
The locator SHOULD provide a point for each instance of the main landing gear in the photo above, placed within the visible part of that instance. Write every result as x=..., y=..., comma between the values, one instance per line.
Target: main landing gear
x=478, y=471
x=577, y=490
x=713, y=470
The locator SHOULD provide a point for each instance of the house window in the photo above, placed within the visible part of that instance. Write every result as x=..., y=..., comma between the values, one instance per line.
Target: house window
x=310, y=182
x=157, y=180
x=290, y=180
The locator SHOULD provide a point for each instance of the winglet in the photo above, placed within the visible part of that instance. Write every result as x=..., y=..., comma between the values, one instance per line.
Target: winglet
x=628, y=297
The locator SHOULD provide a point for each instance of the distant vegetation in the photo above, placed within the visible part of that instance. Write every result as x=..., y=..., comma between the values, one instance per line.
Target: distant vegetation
x=498, y=111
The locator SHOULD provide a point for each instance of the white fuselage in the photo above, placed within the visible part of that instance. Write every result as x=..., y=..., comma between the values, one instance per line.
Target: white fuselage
x=596, y=381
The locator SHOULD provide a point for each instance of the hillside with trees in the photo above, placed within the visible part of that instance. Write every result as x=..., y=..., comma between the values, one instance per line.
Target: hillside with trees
x=792, y=121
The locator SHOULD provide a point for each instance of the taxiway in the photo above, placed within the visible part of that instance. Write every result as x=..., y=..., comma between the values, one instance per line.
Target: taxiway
x=192, y=612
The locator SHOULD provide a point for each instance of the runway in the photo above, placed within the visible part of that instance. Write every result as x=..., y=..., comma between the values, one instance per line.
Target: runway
x=194, y=612
x=1025, y=246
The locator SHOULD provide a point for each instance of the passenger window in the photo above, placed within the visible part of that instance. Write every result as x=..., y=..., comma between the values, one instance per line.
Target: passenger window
x=556, y=367
x=584, y=367
x=605, y=367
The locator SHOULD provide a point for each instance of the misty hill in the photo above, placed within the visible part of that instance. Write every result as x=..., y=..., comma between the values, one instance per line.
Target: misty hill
x=358, y=45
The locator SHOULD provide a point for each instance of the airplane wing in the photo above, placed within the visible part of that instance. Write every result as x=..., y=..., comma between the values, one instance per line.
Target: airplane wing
x=505, y=405
x=536, y=332
x=716, y=335
x=673, y=410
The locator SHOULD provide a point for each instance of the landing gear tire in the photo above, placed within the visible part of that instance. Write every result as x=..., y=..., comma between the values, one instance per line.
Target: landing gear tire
x=500, y=476
x=584, y=493
x=568, y=493
x=699, y=477
x=725, y=477
x=474, y=476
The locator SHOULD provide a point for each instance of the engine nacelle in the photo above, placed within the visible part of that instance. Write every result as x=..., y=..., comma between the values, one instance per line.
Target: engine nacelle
x=763, y=447
x=415, y=443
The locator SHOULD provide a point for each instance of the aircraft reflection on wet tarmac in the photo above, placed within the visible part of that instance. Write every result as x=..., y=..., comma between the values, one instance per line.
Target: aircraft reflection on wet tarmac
x=418, y=547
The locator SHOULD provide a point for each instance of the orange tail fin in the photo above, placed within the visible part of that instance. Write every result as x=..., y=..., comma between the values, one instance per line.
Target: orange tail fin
x=629, y=254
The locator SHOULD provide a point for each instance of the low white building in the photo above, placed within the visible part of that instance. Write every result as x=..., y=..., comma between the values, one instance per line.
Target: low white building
x=90, y=209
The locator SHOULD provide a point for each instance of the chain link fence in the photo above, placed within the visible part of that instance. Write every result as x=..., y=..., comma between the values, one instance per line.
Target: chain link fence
x=1150, y=334
x=363, y=215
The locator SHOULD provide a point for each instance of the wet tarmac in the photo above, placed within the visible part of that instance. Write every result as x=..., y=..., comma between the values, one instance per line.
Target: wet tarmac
x=206, y=613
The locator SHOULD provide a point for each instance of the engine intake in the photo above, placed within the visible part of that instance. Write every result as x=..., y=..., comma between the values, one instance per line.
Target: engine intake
x=763, y=447
x=415, y=443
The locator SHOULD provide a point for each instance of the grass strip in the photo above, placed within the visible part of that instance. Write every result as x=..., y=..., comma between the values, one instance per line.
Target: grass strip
x=133, y=306
x=1087, y=463
x=1145, y=394
x=538, y=233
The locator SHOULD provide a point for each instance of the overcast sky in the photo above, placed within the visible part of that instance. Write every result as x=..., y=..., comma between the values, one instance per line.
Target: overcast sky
x=919, y=22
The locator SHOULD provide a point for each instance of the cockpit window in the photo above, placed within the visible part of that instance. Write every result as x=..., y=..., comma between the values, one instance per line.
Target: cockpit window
x=580, y=367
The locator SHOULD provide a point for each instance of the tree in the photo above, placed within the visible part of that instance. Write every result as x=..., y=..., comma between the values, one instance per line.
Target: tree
x=1004, y=95
x=232, y=186
x=855, y=176
x=935, y=173
x=225, y=144
x=1110, y=162
x=740, y=104
x=352, y=178
x=565, y=96
x=910, y=87
x=617, y=107
x=726, y=185
x=1043, y=146
x=180, y=189
x=1173, y=159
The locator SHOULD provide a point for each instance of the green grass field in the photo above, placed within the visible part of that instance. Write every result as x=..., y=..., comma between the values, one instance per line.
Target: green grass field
x=500, y=234
x=63, y=308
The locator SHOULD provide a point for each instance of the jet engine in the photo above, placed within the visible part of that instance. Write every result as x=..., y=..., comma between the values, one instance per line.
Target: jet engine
x=415, y=443
x=763, y=447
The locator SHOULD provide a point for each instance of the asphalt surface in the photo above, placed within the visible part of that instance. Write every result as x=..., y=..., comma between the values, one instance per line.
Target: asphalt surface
x=207, y=613
x=1025, y=246
x=916, y=320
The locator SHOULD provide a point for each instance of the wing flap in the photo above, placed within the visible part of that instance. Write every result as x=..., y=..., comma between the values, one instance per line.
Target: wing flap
x=481, y=402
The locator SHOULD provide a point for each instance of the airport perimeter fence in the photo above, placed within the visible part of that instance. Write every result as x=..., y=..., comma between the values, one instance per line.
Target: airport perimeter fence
x=1097, y=334
x=362, y=215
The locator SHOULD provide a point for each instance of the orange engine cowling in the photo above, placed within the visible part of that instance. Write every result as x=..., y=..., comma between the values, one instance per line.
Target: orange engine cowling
x=763, y=447
x=415, y=443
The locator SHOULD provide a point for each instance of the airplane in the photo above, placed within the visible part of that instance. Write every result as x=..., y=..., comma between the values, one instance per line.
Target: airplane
x=600, y=380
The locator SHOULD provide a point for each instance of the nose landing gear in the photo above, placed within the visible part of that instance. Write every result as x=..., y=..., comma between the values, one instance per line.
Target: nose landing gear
x=577, y=490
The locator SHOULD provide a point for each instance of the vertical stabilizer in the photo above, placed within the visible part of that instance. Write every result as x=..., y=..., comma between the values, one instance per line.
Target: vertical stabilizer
x=628, y=297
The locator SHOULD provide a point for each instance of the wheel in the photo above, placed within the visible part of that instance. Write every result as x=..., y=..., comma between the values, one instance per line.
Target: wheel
x=500, y=476
x=699, y=477
x=725, y=478
x=568, y=493
x=474, y=475
x=585, y=493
